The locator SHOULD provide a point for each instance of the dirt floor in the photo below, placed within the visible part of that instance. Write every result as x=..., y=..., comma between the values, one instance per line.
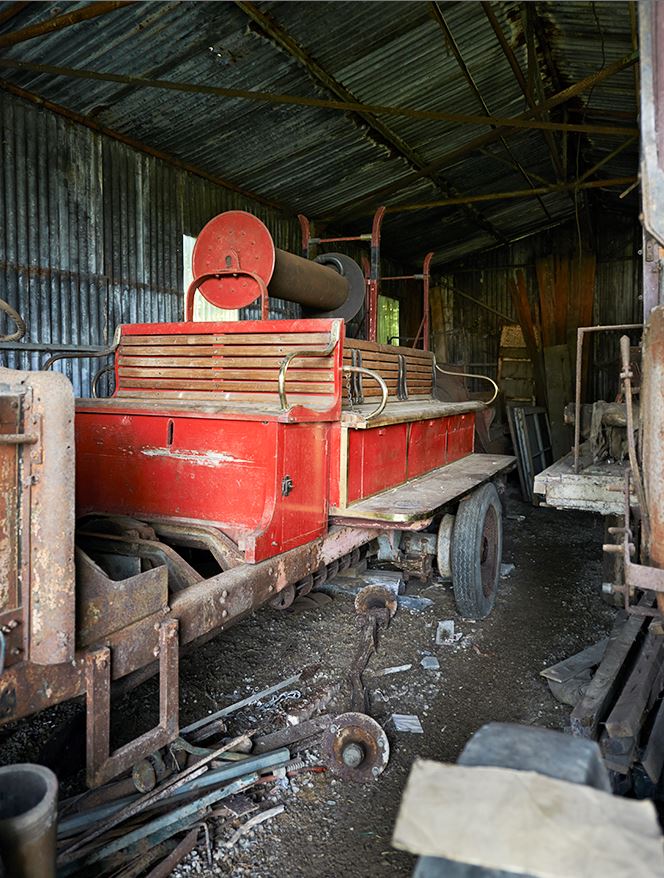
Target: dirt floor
x=548, y=608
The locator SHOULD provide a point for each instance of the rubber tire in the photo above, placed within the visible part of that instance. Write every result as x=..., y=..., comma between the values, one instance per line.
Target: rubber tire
x=467, y=547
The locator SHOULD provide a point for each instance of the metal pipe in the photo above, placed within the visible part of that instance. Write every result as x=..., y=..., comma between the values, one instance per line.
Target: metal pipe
x=58, y=22
x=32, y=347
x=275, y=759
x=626, y=377
x=343, y=106
x=307, y=283
x=28, y=811
x=580, y=333
x=180, y=818
x=358, y=207
x=517, y=193
x=469, y=375
x=104, y=352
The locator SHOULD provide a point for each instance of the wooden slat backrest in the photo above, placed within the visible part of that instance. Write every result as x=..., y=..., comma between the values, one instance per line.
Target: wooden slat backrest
x=384, y=359
x=228, y=366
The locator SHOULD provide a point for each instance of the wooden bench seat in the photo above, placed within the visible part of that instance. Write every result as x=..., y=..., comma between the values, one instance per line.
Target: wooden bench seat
x=408, y=372
x=399, y=412
x=206, y=362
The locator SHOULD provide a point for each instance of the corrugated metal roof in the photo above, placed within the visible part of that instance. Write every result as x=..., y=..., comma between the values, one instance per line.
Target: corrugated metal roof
x=320, y=161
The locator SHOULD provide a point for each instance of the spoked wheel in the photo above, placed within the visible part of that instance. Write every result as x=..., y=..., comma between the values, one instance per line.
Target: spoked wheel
x=477, y=550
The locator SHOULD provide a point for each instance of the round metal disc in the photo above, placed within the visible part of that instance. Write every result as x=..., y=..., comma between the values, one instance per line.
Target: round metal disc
x=375, y=597
x=355, y=747
x=284, y=598
x=231, y=239
x=349, y=269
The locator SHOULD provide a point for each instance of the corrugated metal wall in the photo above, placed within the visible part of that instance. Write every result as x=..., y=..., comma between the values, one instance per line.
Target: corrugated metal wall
x=474, y=334
x=91, y=233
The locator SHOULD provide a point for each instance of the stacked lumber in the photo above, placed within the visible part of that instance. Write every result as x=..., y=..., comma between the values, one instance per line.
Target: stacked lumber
x=620, y=705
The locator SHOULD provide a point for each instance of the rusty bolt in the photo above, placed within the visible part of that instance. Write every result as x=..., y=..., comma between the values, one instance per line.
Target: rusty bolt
x=16, y=650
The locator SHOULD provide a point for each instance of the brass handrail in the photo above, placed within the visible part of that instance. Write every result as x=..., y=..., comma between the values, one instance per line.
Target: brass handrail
x=381, y=383
x=283, y=368
x=471, y=375
x=84, y=355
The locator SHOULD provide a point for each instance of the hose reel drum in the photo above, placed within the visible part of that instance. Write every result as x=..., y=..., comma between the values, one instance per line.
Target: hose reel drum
x=235, y=261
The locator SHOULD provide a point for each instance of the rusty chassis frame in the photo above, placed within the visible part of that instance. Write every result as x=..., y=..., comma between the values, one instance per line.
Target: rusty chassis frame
x=196, y=612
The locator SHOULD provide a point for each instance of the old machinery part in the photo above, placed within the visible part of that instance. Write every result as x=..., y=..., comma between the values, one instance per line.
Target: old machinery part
x=444, y=546
x=418, y=551
x=355, y=747
x=351, y=271
x=477, y=549
x=235, y=257
x=37, y=602
x=626, y=378
x=375, y=597
x=148, y=772
x=471, y=375
x=21, y=327
x=28, y=820
x=284, y=598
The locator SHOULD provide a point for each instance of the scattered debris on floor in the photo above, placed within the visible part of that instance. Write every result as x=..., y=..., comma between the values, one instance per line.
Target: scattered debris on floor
x=404, y=722
x=234, y=685
x=445, y=633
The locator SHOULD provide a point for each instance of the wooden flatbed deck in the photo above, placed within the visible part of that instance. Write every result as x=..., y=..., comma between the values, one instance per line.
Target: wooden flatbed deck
x=421, y=498
x=597, y=487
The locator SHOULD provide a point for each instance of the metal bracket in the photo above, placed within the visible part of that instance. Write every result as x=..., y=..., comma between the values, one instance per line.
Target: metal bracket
x=102, y=765
x=356, y=389
x=286, y=486
x=402, y=385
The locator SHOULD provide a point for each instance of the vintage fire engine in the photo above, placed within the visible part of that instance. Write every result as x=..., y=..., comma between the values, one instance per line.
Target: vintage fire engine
x=237, y=463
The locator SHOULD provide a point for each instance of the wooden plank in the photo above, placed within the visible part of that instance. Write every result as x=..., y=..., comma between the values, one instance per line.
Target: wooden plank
x=220, y=384
x=420, y=498
x=407, y=411
x=593, y=708
x=293, y=374
x=230, y=338
x=559, y=394
x=545, y=283
x=392, y=350
x=182, y=351
x=619, y=754
x=653, y=757
x=626, y=718
x=219, y=350
x=562, y=297
x=522, y=308
x=589, y=657
x=272, y=399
